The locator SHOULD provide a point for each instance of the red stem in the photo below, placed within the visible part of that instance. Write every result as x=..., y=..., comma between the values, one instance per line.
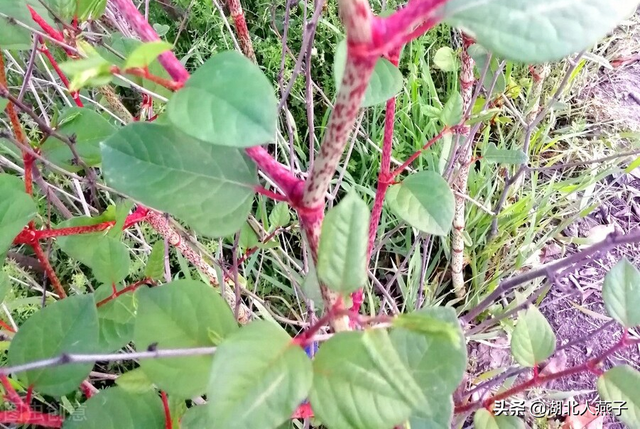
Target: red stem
x=7, y=327
x=132, y=287
x=171, y=85
x=415, y=156
x=63, y=78
x=589, y=366
x=235, y=9
x=270, y=194
x=168, y=424
x=49, y=270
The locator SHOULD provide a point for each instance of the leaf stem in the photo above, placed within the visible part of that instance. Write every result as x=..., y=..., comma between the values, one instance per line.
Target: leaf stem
x=168, y=423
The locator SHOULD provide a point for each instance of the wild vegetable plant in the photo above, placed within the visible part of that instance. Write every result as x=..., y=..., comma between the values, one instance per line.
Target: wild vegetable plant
x=200, y=151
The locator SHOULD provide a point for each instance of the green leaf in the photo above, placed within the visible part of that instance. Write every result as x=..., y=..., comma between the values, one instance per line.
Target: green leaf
x=90, y=9
x=134, y=381
x=621, y=384
x=452, y=111
x=361, y=382
x=425, y=201
x=146, y=53
x=110, y=261
x=532, y=340
x=621, y=293
x=210, y=187
x=122, y=210
x=115, y=408
x=446, y=59
x=505, y=156
x=5, y=285
x=436, y=413
x=540, y=31
x=195, y=418
x=13, y=36
x=161, y=29
x=63, y=9
x=66, y=326
x=483, y=419
x=115, y=318
x=93, y=71
x=342, y=252
x=248, y=237
x=16, y=209
x=181, y=314
x=258, y=375
x=83, y=247
x=228, y=101
x=155, y=263
x=431, y=344
x=279, y=216
x=3, y=103
x=386, y=80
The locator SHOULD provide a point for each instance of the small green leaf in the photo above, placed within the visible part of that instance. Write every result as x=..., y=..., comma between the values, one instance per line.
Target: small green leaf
x=621, y=293
x=360, y=382
x=146, y=53
x=115, y=318
x=181, y=314
x=89, y=129
x=446, y=59
x=218, y=103
x=279, y=216
x=155, y=264
x=425, y=201
x=452, y=111
x=63, y=9
x=83, y=247
x=422, y=323
x=210, y=187
x=248, y=237
x=66, y=326
x=90, y=9
x=386, y=80
x=621, y=384
x=3, y=103
x=135, y=381
x=532, y=340
x=483, y=419
x=93, y=71
x=16, y=209
x=342, y=251
x=161, y=29
x=110, y=261
x=540, y=31
x=115, y=408
x=258, y=375
x=505, y=156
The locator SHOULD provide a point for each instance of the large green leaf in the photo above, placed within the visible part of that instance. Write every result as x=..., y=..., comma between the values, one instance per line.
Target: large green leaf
x=483, y=419
x=181, y=314
x=431, y=344
x=115, y=318
x=89, y=129
x=228, y=101
x=82, y=247
x=5, y=284
x=90, y=9
x=63, y=9
x=621, y=293
x=342, y=254
x=537, y=31
x=16, y=209
x=533, y=339
x=425, y=201
x=386, y=79
x=258, y=375
x=210, y=187
x=110, y=261
x=361, y=382
x=66, y=326
x=115, y=408
x=621, y=384
x=13, y=36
